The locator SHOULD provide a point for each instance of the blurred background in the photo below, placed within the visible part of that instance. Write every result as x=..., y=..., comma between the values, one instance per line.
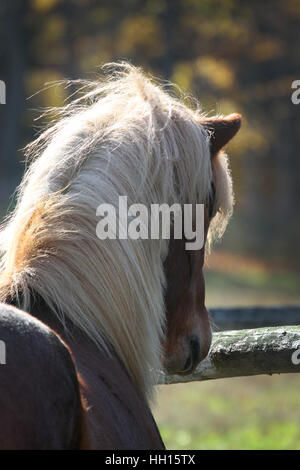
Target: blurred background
x=233, y=56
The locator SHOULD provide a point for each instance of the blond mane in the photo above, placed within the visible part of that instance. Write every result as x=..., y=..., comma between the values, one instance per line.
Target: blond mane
x=125, y=136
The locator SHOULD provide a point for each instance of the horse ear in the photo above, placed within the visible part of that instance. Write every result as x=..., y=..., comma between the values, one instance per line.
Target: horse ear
x=223, y=130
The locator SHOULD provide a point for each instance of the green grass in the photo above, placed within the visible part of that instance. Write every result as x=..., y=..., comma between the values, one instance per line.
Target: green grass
x=240, y=413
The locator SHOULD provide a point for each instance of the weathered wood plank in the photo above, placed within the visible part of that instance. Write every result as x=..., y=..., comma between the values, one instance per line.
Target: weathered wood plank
x=247, y=352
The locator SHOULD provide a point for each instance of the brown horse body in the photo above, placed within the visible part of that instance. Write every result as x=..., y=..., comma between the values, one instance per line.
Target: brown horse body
x=40, y=403
x=49, y=401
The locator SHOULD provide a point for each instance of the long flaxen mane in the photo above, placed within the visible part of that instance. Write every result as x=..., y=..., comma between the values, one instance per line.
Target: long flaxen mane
x=125, y=136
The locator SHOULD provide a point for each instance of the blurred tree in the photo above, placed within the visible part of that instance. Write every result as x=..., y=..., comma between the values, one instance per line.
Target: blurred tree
x=13, y=61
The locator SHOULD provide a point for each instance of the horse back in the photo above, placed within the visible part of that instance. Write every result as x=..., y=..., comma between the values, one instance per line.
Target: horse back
x=40, y=402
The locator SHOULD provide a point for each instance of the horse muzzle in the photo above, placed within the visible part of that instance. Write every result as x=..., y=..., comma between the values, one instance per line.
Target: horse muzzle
x=185, y=358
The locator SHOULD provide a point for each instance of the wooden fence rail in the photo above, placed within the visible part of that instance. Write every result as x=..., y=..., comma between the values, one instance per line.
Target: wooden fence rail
x=254, y=317
x=245, y=352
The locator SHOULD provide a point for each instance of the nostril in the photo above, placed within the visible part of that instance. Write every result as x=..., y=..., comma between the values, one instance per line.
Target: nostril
x=195, y=348
x=193, y=357
x=189, y=363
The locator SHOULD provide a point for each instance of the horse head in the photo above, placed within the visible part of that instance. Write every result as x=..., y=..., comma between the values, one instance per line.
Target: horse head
x=124, y=136
x=188, y=331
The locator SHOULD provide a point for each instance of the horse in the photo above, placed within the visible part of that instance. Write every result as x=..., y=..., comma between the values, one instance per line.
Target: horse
x=88, y=323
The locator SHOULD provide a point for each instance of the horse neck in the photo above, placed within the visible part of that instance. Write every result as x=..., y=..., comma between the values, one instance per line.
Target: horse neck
x=88, y=357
